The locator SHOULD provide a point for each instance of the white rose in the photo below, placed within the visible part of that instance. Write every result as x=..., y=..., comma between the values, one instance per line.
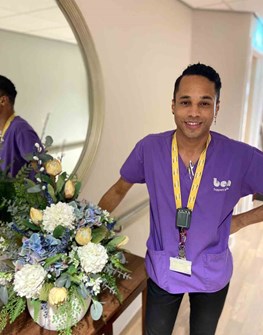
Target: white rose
x=29, y=280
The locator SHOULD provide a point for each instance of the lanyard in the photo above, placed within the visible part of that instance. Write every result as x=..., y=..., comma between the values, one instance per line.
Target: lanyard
x=197, y=177
x=185, y=213
x=6, y=126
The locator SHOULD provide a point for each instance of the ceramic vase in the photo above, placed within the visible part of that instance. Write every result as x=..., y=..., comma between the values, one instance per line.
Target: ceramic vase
x=48, y=317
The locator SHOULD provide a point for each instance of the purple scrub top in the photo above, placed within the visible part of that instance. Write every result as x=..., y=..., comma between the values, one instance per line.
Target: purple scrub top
x=232, y=170
x=19, y=140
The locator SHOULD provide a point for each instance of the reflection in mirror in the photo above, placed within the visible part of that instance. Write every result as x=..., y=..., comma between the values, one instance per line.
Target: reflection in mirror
x=39, y=53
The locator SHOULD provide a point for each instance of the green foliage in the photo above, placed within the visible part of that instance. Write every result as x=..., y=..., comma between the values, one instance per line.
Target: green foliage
x=98, y=234
x=14, y=307
x=43, y=296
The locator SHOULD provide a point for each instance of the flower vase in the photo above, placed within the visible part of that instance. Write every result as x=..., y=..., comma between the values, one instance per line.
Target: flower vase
x=49, y=318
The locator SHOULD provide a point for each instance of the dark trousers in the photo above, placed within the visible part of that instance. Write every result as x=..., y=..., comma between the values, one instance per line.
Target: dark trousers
x=162, y=309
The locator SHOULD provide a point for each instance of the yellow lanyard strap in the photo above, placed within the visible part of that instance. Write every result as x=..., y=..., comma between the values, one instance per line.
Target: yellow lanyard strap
x=197, y=177
x=6, y=126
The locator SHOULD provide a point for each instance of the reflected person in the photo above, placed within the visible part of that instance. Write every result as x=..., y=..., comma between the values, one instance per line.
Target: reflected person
x=17, y=137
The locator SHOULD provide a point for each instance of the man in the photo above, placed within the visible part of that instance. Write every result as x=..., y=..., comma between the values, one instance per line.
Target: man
x=194, y=178
x=17, y=137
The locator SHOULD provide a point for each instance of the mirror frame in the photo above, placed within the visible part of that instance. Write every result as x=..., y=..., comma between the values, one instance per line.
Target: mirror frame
x=95, y=86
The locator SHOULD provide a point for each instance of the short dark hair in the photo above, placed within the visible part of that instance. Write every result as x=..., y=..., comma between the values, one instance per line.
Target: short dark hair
x=7, y=88
x=200, y=70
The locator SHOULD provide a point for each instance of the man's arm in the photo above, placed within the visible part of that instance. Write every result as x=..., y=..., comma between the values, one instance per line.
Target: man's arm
x=242, y=220
x=114, y=195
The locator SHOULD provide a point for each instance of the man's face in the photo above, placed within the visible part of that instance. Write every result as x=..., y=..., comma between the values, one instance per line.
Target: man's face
x=195, y=106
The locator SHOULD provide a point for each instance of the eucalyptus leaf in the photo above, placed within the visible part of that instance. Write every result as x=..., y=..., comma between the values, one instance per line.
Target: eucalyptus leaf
x=61, y=281
x=3, y=294
x=34, y=189
x=82, y=290
x=48, y=141
x=29, y=182
x=96, y=310
x=68, y=282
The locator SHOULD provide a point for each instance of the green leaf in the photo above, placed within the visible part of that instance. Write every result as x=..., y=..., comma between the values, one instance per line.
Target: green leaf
x=52, y=260
x=59, y=231
x=37, y=306
x=45, y=157
x=31, y=226
x=51, y=192
x=43, y=296
x=61, y=181
x=45, y=178
x=116, y=240
x=96, y=310
x=98, y=234
x=77, y=188
x=72, y=270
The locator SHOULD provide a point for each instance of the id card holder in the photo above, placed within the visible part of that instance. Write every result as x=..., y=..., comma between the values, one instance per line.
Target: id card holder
x=183, y=217
x=181, y=265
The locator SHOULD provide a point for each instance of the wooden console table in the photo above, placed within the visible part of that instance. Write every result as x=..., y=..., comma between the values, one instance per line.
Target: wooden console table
x=129, y=289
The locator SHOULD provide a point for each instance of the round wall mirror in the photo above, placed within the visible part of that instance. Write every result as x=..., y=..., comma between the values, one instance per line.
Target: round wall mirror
x=47, y=51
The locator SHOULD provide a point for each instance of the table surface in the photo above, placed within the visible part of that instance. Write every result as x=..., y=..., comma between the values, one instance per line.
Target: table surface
x=129, y=289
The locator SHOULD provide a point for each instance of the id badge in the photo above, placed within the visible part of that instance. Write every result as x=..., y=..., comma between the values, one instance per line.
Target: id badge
x=183, y=217
x=181, y=265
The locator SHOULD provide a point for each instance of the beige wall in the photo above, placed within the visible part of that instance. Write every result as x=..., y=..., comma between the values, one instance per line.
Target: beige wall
x=222, y=40
x=142, y=47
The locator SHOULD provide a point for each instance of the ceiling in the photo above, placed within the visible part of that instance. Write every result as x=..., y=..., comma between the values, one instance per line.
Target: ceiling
x=255, y=6
x=44, y=18
x=35, y=17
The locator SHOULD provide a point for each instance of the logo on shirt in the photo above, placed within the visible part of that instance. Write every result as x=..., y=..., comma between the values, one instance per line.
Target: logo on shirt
x=220, y=186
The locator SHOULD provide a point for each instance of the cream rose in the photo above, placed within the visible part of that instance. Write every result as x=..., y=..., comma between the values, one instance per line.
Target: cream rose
x=57, y=295
x=83, y=236
x=69, y=189
x=53, y=167
x=36, y=215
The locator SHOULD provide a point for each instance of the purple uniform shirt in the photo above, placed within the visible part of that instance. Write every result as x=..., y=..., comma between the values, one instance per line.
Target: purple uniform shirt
x=232, y=170
x=19, y=140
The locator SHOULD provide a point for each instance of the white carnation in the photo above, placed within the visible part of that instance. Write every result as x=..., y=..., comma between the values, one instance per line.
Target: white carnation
x=93, y=257
x=58, y=214
x=29, y=280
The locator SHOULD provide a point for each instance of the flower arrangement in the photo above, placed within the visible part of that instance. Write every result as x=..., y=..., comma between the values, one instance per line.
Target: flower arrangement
x=55, y=250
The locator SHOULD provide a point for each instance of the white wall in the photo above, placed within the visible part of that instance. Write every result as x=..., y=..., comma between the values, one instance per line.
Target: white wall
x=50, y=77
x=223, y=40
